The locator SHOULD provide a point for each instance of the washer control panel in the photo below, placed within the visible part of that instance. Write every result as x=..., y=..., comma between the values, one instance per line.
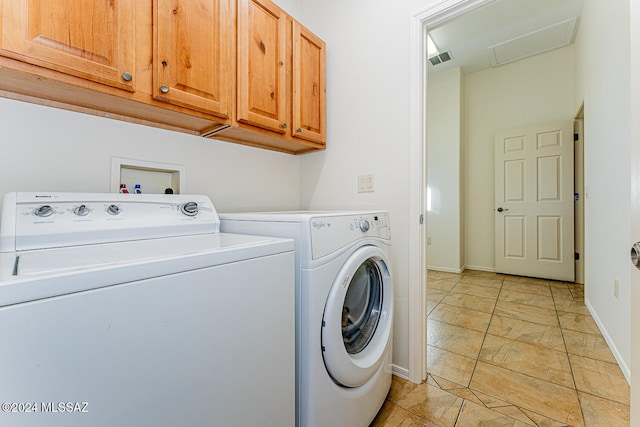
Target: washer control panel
x=45, y=220
x=331, y=232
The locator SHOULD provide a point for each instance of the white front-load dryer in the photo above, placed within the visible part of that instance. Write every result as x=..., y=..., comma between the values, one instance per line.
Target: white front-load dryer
x=344, y=310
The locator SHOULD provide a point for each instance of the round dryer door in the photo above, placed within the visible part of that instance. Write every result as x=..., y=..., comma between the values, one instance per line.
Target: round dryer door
x=356, y=327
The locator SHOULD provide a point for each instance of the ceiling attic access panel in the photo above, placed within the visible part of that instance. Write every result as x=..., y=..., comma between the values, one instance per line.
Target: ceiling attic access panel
x=193, y=54
x=94, y=40
x=261, y=74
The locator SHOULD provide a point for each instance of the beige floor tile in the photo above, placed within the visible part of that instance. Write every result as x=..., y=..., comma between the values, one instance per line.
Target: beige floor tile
x=460, y=316
x=432, y=404
x=392, y=415
x=575, y=287
x=400, y=388
x=490, y=401
x=543, y=316
x=476, y=415
x=465, y=393
x=528, y=359
x=571, y=306
x=462, y=341
x=561, y=293
x=446, y=385
x=433, y=274
x=600, y=378
x=578, y=322
x=551, y=400
x=432, y=381
x=482, y=281
x=578, y=296
x=529, y=288
x=529, y=280
x=511, y=295
x=515, y=413
x=442, y=284
x=588, y=345
x=521, y=330
x=435, y=295
x=430, y=306
x=521, y=375
x=602, y=412
x=478, y=290
x=471, y=302
x=450, y=366
x=541, y=420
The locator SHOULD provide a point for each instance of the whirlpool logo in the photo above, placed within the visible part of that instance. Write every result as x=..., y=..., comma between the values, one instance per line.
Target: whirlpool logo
x=320, y=224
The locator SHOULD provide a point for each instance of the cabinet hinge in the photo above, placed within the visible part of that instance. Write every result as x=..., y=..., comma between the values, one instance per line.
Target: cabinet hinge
x=576, y=137
x=577, y=256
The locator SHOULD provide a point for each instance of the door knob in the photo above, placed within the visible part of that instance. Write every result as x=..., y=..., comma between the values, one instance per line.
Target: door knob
x=501, y=209
x=635, y=255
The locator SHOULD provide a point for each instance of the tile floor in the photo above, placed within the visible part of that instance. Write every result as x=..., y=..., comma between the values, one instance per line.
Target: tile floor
x=510, y=351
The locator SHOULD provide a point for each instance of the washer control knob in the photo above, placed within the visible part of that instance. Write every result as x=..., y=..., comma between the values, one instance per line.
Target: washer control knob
x=44, y=211
x=364, y=225
x=81, y=210
x=189, y=209
x=113, y=210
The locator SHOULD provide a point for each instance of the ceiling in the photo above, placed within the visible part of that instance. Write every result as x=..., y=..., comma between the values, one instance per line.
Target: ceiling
x=504, y=31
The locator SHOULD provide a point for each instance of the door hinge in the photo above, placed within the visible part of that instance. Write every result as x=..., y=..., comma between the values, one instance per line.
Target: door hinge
x=576, y=137
x=421, y=219
x=577, y=256
x=576, y=197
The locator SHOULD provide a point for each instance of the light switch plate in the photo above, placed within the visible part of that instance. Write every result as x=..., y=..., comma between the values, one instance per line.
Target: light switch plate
x=366, y=183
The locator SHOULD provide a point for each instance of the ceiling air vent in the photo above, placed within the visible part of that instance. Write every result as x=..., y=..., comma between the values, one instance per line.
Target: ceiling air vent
x=439, y=59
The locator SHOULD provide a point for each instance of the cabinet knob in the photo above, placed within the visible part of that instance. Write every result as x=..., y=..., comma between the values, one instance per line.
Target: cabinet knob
x=299, y=130
x=284, y=126
x=164, y=89
x=126, y=76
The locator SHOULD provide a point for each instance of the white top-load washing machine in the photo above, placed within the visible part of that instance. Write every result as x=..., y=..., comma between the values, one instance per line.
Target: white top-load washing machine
x=134, y=310
x=344, y=310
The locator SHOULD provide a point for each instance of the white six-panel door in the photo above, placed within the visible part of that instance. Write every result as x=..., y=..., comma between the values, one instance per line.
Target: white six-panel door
x=534, y=233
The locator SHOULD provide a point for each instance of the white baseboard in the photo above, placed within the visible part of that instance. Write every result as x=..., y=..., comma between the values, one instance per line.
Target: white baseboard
x=623, y=366
x=445, y=269
x=400, y=372
x=480, y=268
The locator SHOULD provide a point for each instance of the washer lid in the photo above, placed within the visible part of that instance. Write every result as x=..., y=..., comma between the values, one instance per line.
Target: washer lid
x=32, y=275
x=357, y=320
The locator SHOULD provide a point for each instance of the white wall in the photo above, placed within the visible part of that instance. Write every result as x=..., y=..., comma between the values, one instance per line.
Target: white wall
x=603, y=82
x=445, y=108
x=46, y=149
x=367, y=125
x=532, y=91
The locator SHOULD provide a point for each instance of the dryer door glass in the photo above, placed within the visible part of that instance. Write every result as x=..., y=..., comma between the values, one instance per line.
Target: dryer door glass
x=356, y=325
x=361, y=309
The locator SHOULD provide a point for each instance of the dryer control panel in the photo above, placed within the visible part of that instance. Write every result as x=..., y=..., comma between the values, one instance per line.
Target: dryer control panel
x=331, y=232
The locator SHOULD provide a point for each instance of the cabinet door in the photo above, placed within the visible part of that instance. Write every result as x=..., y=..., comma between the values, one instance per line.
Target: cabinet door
x=89, y=39
x=309, y=85
x=261, y=75
x=193, y=54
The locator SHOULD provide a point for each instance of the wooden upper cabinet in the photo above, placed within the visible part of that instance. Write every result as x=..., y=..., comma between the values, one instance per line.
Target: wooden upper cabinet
x=94, y=40
x=261, y=73
x=309, y=85
x=193, y=54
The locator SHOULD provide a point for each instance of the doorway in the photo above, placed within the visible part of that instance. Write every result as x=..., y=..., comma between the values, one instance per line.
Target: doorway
x=436, y=16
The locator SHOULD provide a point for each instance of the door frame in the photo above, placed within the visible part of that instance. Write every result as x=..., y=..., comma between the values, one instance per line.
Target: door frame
x=437, y=14
x=635, y=204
